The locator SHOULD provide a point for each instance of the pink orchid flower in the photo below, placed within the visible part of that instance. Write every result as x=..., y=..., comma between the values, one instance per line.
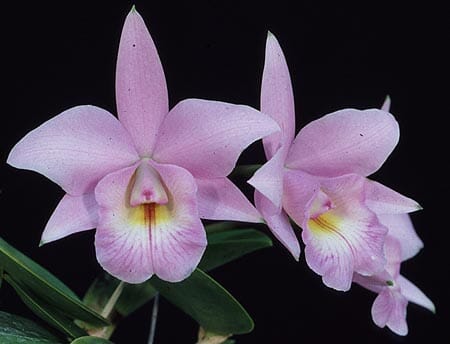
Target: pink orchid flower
x=145, y=180
x=318, y=179
x=395, y=291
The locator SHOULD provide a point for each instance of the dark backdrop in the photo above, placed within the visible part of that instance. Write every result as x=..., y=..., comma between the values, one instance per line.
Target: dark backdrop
x=63, y=54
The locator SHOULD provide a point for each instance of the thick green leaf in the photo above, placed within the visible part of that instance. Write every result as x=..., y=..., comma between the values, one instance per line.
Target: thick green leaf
x=45, y=311
x=17, y=330
x=206, y=301
x=34, y=277
x=91, y=340
x=227, y=245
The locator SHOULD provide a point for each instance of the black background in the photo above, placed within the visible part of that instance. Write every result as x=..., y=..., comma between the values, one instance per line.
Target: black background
x=63, y=54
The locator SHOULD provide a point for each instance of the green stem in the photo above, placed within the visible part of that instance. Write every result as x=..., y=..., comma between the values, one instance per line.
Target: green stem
x=151, y=336
x=106, y=312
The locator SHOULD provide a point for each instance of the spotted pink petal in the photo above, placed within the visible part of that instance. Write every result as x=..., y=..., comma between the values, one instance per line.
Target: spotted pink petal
x=76, y=148
x=278, y=222
x=277, y=99
x=402, y=229
x=268, y=179
x=383, y=200
x=345, y=141
x=220, y=199
x=207, y=137
x=141, y=91
x=346, y=238
x=133, y=243
x=389, y=309
x=72, y=215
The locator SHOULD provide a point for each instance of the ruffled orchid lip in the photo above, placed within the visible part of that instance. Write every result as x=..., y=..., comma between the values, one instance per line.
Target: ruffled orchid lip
x=134, y=242
x=341, y=234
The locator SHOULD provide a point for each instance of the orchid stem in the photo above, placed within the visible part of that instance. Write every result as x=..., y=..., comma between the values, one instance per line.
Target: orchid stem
x=106, y=312
x=151, y=336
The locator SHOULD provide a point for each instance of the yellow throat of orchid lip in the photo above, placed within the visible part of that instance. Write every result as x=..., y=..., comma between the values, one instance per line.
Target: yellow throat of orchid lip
x=325, y=223
x=148, y=215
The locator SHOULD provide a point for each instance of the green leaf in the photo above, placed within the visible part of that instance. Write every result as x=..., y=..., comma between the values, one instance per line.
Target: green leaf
x=207, y=302
x=1, y=275
x=91, y=340
x=227, y=245
x=17, y=330
x=45, y=311
x=50, y=289
x=221, y=226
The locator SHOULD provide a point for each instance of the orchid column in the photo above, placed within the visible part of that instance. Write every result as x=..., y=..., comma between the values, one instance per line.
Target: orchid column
x=145, y=180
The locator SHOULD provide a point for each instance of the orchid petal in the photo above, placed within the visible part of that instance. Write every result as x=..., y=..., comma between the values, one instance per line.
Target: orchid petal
x=383, y=200
x=141, y=91
x=393, y=255
x=178, y=244
x=345, y=141
x=300, y=189
x=268, y=179
x=376, y=283
x=358, y=223
x=220, y=199
x=122, y=240
x=414, y=294
x=207, y=137
x=389, y=308
x=75, y=149
x=382, y=308
x=277, y=99
x=72, y=215
x=346, y=238
x=133, y=243
x=401, y=227
x=387, y=104
x=278, y=222
x=330, y=257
